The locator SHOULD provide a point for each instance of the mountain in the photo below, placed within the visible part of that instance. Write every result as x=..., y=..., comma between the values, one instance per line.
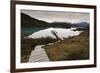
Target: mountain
x=81, y=24
x=55, y=33
x=27, y=21
x=61, y=24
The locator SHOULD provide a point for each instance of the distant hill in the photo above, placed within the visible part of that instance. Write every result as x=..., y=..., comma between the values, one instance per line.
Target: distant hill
x=81, y=24
x=27, y=21
x=61, y=24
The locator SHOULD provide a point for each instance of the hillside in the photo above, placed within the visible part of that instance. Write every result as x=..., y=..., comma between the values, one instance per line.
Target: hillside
x=80, y=24
x=73, y=48
x=27, y=21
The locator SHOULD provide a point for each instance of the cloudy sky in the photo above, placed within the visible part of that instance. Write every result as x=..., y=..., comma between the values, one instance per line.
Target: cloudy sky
x=58, y=16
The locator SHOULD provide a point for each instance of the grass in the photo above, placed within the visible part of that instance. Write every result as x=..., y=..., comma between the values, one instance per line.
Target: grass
x=73, y=48
x=27, y=46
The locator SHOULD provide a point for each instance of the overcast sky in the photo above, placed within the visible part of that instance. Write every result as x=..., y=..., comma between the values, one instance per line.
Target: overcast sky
x=58, y=16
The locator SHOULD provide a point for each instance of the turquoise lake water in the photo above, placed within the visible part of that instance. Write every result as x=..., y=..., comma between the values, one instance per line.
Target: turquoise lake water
x=28, y=31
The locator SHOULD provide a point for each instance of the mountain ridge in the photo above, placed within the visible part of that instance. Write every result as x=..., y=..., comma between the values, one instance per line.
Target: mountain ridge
x=28, y=21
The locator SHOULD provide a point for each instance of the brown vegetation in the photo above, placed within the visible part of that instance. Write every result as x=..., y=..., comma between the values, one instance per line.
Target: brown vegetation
x=73, y=48
x=27, y=45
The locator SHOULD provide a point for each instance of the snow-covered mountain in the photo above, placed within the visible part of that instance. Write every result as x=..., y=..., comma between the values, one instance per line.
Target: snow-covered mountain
x=55, y=33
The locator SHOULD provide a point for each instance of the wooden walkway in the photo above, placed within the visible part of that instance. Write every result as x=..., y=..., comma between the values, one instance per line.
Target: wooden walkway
x=38, y=55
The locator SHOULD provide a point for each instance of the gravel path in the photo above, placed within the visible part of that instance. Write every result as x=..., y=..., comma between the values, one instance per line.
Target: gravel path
x=38, y=55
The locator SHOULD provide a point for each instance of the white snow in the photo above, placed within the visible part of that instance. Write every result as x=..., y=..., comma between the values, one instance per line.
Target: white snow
x=60, y=32
x=73, y=28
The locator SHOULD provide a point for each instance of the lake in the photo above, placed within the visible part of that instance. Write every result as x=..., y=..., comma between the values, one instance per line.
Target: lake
x=28, y=31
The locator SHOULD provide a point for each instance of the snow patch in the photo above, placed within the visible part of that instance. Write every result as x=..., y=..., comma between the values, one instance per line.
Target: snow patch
x=60, y=32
